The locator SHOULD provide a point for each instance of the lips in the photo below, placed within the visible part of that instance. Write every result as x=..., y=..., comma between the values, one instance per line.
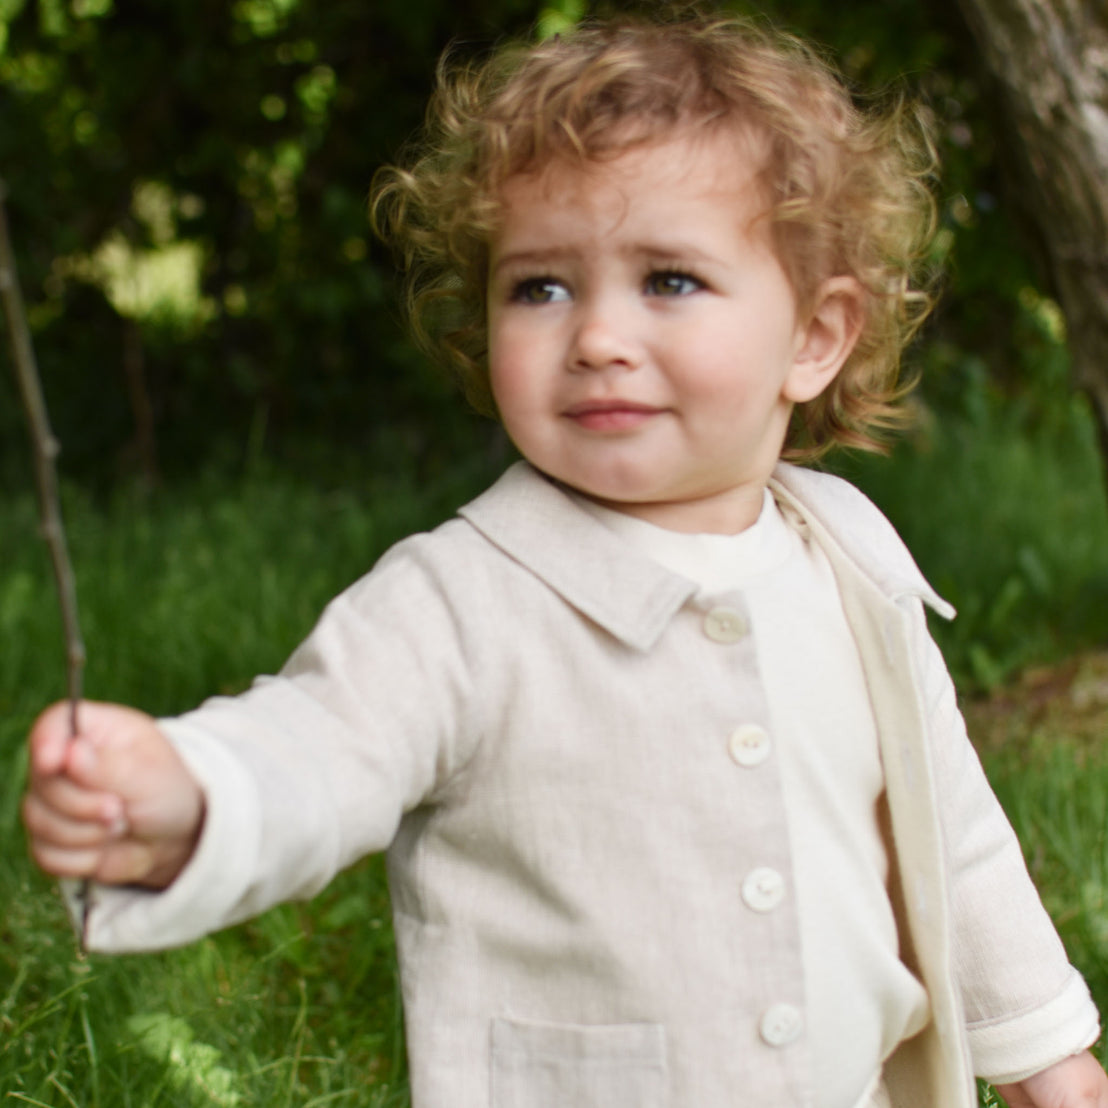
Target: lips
x=610, y=415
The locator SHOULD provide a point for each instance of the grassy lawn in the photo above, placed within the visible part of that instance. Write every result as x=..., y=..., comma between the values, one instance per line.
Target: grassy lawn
x=1043, y=741
x=196, y=590
x=189, y=594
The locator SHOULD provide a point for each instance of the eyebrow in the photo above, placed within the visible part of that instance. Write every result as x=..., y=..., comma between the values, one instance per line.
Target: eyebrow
x=531, y=258
x=663, y=253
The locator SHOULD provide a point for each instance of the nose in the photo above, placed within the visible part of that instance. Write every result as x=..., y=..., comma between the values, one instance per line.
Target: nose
x=605, y=336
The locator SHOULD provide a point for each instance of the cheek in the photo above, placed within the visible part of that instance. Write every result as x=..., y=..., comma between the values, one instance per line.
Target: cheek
x=715, y=379
x=516, y=363
x=730, y=398
x=511, y=384
x=503, y=338
x=731, y=367
x=500, y=361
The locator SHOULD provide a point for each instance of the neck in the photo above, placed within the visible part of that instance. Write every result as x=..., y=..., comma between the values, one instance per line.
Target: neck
x=720, y=515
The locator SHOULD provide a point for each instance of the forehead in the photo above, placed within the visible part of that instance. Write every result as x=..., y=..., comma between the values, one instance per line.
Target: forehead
x=717, y=170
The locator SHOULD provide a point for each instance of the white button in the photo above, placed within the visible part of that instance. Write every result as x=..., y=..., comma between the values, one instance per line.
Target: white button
x=781, y=1025
x=763, y=889
x=749, y=745
x=724, y=625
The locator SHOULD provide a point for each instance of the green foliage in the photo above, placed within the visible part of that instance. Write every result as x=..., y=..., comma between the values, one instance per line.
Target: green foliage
x=188, y=186
x=558, y=17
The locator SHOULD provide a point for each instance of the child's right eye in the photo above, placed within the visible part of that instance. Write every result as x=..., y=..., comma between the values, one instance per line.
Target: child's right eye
x=539, y=290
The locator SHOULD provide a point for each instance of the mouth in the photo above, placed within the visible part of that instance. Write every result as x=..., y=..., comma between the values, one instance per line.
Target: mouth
x=610, y=415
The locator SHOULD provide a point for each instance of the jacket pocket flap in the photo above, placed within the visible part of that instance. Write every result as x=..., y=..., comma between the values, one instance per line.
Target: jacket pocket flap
x=543, y=1065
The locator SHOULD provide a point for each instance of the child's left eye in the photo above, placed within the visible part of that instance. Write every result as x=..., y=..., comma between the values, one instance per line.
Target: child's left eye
x=669, y=282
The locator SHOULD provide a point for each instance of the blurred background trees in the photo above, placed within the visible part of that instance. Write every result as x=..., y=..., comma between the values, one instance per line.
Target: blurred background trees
x=187, y=191
x=1049, y=85
x=187, y=187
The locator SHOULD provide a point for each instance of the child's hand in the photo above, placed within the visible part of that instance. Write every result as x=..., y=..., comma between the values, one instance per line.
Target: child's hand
x=115, y=803
x=1077, y=1082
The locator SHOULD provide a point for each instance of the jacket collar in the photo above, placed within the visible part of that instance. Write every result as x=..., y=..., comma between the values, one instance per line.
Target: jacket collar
x=535, y=522
x=532, y=520
x=844, y=519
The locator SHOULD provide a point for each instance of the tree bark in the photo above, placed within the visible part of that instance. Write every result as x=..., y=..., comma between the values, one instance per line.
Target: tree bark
x=1049, y=59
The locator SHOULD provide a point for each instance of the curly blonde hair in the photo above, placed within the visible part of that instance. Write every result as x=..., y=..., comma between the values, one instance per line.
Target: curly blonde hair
x=847, y=189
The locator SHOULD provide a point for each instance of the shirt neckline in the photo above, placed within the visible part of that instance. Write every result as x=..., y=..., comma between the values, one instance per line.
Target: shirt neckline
x=712, y=560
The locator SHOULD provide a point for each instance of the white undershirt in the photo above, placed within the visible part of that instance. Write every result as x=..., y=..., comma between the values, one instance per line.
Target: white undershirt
x=861, y=999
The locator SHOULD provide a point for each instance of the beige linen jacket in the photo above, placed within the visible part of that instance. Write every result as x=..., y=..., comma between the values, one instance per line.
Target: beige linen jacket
x=534, y=721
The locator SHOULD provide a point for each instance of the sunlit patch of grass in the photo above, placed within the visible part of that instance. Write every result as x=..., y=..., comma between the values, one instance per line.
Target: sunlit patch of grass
x=298, y=1007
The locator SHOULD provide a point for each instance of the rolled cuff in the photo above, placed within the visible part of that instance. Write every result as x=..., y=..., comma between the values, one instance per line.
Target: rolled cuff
x=126, y=919
x=1013, y=1049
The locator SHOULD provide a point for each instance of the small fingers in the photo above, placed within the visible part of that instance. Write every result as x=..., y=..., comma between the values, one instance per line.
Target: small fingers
x=56, y=750
x=61, y=862
x=121, y=863
x=67, y=849
x=49, y=740
x=70, y=800
x=69, y=827
x=48, y=823
x=105, y=852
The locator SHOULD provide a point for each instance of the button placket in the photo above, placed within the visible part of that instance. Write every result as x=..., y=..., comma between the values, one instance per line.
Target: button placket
x=764, y=888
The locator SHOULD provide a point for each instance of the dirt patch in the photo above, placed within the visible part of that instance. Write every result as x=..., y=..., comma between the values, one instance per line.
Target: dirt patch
x=1069, y=699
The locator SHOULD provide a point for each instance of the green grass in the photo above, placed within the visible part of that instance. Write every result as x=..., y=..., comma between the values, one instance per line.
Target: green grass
x=197, y=589
x=1054, y=787
x=296, y=1008
x=190, y=593
x=1010, y=524
x=1056, y=792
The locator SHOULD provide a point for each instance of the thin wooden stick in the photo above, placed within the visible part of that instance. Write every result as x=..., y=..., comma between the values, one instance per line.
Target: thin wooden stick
x=46, y=480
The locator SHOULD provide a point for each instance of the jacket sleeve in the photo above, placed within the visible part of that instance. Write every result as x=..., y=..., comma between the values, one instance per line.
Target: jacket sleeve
x=1026, y=1006
x=312, y=769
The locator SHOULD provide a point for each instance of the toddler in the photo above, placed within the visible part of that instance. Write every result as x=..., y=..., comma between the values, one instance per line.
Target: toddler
x=678, y=805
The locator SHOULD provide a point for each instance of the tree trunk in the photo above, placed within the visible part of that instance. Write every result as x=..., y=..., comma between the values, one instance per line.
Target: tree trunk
x=1050, y=62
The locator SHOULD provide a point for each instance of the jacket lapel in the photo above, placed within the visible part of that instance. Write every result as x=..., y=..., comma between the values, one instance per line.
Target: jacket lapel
x=533, y=521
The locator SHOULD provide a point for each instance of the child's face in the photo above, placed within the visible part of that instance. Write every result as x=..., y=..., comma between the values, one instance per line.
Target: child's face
x=644, y=342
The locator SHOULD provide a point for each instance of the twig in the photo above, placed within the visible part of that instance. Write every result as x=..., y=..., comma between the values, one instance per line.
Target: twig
x=46, y=480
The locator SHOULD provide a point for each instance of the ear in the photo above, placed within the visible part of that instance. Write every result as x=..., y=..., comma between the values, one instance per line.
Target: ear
x=825, y=342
